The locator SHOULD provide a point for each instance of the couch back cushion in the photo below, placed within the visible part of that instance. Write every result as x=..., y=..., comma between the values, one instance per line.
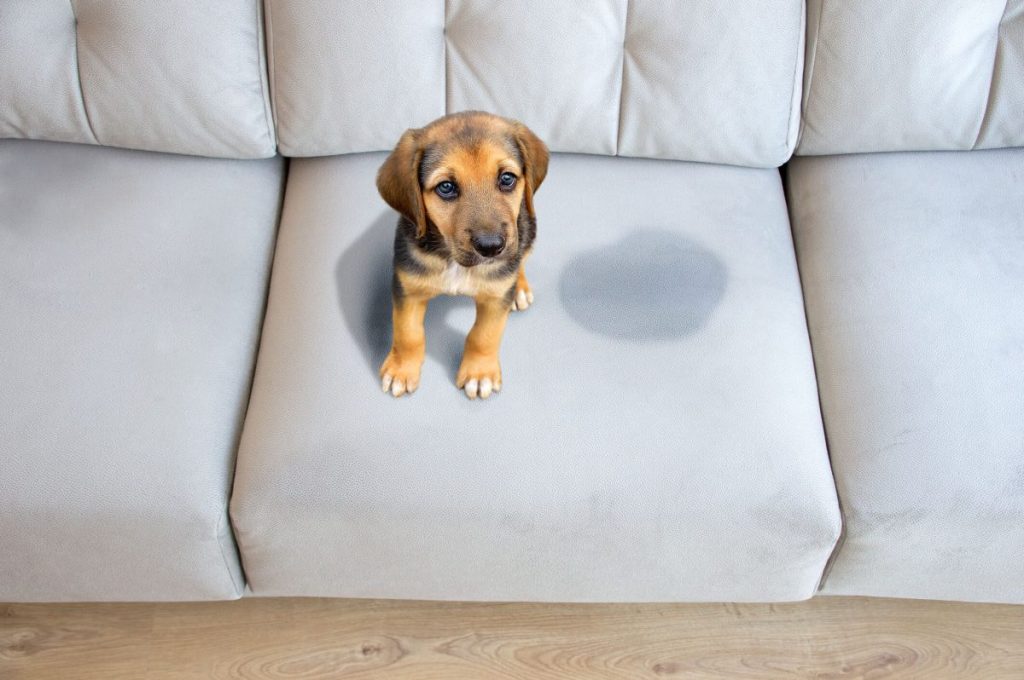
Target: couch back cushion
x=703, y=80
x=899, y=75
x=161, y=75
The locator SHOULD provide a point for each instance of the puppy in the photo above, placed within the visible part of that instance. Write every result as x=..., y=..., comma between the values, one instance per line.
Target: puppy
x=464, y=187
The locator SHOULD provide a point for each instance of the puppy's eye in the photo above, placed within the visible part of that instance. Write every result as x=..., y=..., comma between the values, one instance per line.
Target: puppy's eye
x=446, y=190
x=506, y=180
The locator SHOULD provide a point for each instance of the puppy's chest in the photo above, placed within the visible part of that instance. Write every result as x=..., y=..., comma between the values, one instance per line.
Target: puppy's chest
x=457, y=280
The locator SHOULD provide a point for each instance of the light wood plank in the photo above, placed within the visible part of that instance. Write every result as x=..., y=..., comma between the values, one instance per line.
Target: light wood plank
x=79, y=641
x=824, y=639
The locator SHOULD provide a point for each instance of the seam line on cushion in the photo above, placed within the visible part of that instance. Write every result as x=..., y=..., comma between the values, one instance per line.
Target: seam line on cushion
x=809, y=85
x=991, y=80
x=263, y=52
x=444, y=56
x=797, y=63
x=795, y=242
x=830, y=563
x=78, y=72
x=223, y=538
x=622, y=80
x=254, y=364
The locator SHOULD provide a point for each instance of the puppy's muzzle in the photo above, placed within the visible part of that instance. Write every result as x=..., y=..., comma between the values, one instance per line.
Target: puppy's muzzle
x=488, y=244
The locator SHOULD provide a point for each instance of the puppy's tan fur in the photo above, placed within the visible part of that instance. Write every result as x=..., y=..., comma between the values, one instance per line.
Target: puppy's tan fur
x=434, y=242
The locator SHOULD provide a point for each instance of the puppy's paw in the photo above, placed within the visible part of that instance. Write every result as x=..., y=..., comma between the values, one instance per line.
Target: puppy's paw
x=479, y=376
x=399, y=376
x=523, y=297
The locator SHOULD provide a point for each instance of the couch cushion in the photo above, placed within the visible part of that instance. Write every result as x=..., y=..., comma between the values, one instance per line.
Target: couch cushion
x=921, y=75
x=912, y=266
x=657, y=436
x=167, y=75
x=703, y=80
x=132, y=288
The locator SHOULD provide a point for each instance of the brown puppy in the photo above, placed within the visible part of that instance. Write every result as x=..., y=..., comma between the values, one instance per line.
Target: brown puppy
x=464, y=188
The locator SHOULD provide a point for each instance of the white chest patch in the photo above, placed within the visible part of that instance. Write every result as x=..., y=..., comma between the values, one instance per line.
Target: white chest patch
x=457, y=280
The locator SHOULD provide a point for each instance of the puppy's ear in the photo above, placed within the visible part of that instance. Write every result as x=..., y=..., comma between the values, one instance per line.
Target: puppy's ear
x=535, y=158
x=398, y=181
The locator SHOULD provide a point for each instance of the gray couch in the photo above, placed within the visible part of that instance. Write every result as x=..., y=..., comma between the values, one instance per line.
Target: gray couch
x=736, y=383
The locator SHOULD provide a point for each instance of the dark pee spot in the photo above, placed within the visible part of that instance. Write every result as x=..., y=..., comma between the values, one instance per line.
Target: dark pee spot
x=651, y=285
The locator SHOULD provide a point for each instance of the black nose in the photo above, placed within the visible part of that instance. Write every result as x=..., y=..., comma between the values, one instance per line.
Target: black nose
x=488, y=245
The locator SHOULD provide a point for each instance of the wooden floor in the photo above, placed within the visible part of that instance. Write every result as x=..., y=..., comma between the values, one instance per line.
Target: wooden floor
x=826, y=639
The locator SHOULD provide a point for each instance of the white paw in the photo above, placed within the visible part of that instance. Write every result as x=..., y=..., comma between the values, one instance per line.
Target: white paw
x=479, y=376
x=396, y=386
x=522, y=300
x=399, y=378
x=481, y=388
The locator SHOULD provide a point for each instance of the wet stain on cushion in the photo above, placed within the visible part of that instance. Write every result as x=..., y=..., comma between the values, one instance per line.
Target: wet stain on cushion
x=652, y=285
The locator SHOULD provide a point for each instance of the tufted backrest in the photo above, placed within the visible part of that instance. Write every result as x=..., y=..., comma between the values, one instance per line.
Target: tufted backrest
x=895, y=75
x=703, y=80
x=164, y=75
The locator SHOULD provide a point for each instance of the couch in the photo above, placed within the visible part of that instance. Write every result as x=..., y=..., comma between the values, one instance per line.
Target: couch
x=777, y=347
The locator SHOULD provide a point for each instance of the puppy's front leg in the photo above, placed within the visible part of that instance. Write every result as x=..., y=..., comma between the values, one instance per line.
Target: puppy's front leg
x=522, y=297
x=400, y=372
x=480, y=372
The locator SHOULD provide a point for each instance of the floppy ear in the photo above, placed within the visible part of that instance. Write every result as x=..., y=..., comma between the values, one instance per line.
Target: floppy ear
x=398, y=181
x=535, y=158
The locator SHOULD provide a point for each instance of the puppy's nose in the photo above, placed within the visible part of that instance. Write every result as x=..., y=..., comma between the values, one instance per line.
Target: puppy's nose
x=488, y=245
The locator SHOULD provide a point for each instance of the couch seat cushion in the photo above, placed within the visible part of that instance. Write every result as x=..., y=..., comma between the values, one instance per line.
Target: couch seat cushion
x=132, y=288
x=657, y=436
x=913, y=265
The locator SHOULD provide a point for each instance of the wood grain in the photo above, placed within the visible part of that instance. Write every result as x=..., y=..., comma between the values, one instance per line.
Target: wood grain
x=824, y=639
